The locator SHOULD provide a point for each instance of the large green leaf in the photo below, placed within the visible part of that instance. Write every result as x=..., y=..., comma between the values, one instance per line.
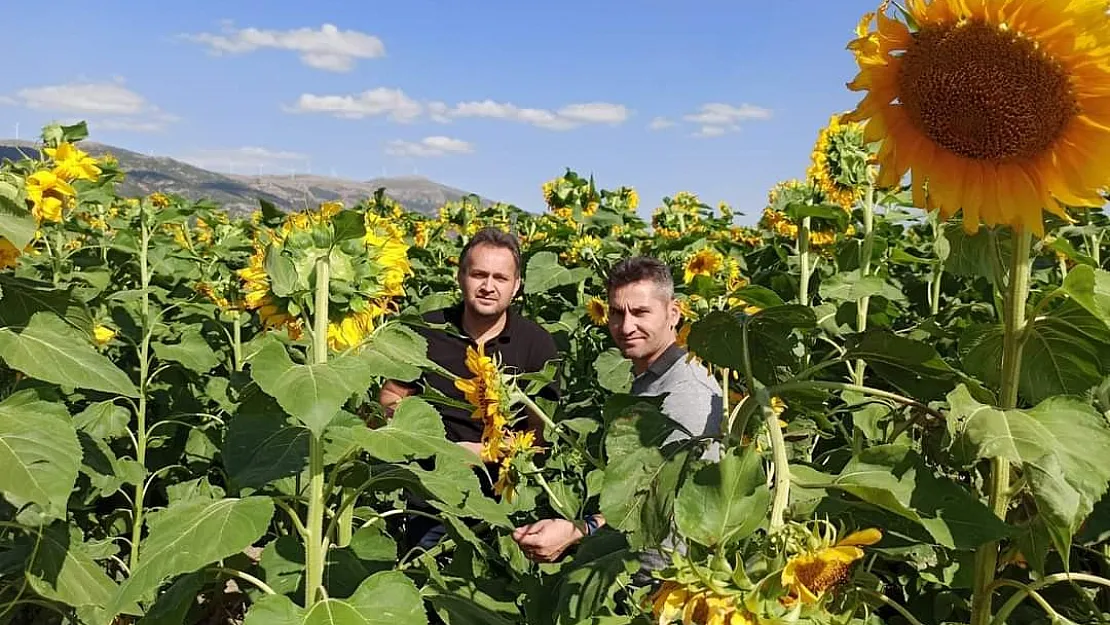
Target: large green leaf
x=850, y=287
x=461, y=602
x=724, y=501
x=389, y=598
x=192, y=351
x=17, y=224
x=20, y=299
x=1059, y=443
x=718, y=339
x=50, y=350
x=588, y=583
x=313, y=394
x=1090, y=288
x=976, y=255
x=190, y=535
x=896, y=479
x=62, y=569
x=1067, y=352
x=396, y=352
x=414, y=432
x=614, y=371
x=261, y=446
x=103, y=420
x=545, y=273
x=39, y=453
x=913, y=367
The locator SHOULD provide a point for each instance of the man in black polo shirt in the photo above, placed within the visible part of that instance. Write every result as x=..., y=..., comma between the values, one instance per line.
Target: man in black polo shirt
x=489, y=277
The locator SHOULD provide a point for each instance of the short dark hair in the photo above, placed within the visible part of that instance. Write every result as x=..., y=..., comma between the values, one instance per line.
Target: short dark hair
x=637, y=269
x=494, y=237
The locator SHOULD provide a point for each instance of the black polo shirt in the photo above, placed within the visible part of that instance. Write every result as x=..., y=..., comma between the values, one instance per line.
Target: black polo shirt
x=522, y=347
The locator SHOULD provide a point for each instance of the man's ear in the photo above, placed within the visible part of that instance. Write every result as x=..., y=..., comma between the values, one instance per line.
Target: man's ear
x=674, y=314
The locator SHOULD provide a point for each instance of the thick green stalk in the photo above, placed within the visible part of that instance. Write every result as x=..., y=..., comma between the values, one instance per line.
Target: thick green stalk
x=237, y=340
x=803, y=262
x=998, y=481
x=144, y=374
x=864, y=270
x=316, y=543
x=782, y=468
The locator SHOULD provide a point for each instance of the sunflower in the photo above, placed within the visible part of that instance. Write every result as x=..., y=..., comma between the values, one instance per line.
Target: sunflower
x=838, y=166
x=103, y=334
x=823, y=566
x=159, y=200
x=9, y=254
x=704, y=262
x=675, y=601
x=514, y=445
x=998, y=109
x=583, y=247
x=256, y=286
x=49, y=194
x=598, y=311
x=353, y=329
x=71, y=163
x=484, y=391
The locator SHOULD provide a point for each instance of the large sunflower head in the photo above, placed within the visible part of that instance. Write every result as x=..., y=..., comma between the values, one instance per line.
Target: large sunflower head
x=598, y=311
x=704, y=262
x=487, y=393
x=997, y=108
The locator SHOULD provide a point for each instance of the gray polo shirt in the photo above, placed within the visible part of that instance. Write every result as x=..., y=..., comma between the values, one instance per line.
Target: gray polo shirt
x=694, y=397
x=695, y=401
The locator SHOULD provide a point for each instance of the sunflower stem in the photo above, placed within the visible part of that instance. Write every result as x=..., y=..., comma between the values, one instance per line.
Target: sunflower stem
x=315, y=541
x=141, y=432
x=781, y=464
x=866, y=249
x=998, y=480
x=803, y=262
x=237, y=341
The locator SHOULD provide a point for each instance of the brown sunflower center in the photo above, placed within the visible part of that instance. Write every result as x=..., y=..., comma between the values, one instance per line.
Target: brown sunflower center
x=983, y=92
x=820, y=575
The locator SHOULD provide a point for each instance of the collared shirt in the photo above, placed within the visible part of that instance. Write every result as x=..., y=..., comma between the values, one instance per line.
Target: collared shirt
x=694, y=398
x=522, y=347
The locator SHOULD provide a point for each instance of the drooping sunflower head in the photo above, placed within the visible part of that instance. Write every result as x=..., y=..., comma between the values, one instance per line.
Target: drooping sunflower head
x=70, y=163
x=9, y=254
x=997, y=109
x=49, y=195
x=821, y=562
x=839, y=162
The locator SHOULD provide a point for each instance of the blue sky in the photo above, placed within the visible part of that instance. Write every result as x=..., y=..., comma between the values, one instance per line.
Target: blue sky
x=722, y=98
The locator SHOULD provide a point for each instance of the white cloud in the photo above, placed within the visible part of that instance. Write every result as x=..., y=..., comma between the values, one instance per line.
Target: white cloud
x=438, y=145
x=328, y=48
x=716, y=118
x=595, y=113
x=247, y=159
x=566, y=118
x=659, y=123
x=107, y=105
x=372, y=103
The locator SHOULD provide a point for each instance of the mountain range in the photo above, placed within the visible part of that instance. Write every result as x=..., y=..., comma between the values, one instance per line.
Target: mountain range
x=240, y=194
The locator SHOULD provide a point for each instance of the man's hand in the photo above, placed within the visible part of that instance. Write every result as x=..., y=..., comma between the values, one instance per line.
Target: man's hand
x=546, y=540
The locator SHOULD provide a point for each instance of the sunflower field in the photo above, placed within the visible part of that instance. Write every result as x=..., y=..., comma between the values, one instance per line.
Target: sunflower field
x=917, y=377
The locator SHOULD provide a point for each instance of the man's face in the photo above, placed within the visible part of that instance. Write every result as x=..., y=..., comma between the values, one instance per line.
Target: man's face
x=642, y=320
x=489, y=281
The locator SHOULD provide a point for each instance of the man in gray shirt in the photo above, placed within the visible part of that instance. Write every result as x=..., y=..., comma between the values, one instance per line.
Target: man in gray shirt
x=643, y=315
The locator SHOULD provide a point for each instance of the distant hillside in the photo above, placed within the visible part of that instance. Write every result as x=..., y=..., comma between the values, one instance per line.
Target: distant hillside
x=240, y=194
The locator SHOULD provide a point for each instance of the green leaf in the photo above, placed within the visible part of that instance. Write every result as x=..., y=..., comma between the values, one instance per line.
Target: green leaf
x=397, y=353
x=284, y=280
x=718, y=339
x=389, y=598
x=461, y=602
x=1090, y=288
x=192, y=351
x=589, y=582
x=50, y=350
x=274, y=610
x=896, y=479
x=20, y=299
x=414, y=432
x=724, y=501
x=39, y=453
x=1059, y=443
x=976, y=255
x=260, y=446
x=914, y=368
x=62, y=570
x=103, y=420
x=614, y=371
x=1066, y=353
x=313, y=394
x=190, y=535
x=850, y=287
x=17, y=224
x=545, y=273
x=333, y=612
x=348, y=224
